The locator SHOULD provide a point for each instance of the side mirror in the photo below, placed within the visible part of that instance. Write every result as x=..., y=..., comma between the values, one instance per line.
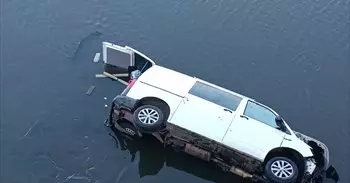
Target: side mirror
x=280, y=124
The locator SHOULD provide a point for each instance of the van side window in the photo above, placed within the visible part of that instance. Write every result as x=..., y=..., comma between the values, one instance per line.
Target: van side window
x=260, y=113
x=216, y=95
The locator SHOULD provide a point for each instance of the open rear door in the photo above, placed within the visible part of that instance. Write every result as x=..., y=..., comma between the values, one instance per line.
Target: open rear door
x=140, y=61
x=122, y=60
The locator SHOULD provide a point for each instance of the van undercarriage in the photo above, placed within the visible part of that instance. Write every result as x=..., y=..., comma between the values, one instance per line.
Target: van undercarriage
x=208, y=150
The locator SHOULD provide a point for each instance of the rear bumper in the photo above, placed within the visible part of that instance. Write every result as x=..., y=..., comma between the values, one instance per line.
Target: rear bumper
x=122, y=107
x=124, y=102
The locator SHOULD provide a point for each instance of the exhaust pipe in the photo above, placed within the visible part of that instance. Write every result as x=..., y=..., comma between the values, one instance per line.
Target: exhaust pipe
x=240, y=172
x=195, y=151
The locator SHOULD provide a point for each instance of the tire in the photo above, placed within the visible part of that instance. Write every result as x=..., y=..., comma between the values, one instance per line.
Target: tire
x=149, y=118
x=291, y=171
x=130, y=129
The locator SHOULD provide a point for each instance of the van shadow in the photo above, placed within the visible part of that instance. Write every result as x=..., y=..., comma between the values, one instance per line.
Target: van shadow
x=153, y=156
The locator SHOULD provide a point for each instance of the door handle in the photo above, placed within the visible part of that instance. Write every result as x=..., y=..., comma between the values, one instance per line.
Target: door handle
x=227, y=110
x=242, y=116
x=185, y=99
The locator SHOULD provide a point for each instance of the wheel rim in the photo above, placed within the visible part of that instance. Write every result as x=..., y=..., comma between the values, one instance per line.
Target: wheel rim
x=148, y=116
x=282, y=169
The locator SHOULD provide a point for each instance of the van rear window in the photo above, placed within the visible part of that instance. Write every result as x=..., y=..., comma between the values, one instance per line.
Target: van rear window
x=216, y=95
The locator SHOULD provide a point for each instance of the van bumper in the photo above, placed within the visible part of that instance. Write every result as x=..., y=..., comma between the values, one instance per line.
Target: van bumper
x=122, y=107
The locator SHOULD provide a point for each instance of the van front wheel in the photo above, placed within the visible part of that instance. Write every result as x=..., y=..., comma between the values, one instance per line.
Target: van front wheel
x=281, y=170
x=149, y=118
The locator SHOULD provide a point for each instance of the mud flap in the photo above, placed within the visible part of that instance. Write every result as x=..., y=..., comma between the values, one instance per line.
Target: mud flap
x=331, y=173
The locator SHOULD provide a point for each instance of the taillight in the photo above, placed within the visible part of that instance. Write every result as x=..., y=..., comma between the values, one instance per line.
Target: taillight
x=131, y=83
x=133, y=77
x=126, y=90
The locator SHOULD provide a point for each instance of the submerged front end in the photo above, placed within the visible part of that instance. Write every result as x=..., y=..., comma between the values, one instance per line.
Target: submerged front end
x=318, y=164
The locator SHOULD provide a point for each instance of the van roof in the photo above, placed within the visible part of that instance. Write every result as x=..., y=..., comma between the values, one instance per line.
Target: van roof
x=175, y=82
x=167, y=79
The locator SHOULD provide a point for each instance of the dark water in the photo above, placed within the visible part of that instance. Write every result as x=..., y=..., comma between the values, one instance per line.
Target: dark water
x=292, y=55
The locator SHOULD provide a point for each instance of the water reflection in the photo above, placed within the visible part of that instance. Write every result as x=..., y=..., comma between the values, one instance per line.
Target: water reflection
x=153, y=157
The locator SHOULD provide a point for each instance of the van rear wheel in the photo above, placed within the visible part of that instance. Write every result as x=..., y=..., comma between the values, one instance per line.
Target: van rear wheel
x=149, y=118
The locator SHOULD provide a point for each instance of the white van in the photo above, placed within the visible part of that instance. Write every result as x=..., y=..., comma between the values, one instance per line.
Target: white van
x=215, y=124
